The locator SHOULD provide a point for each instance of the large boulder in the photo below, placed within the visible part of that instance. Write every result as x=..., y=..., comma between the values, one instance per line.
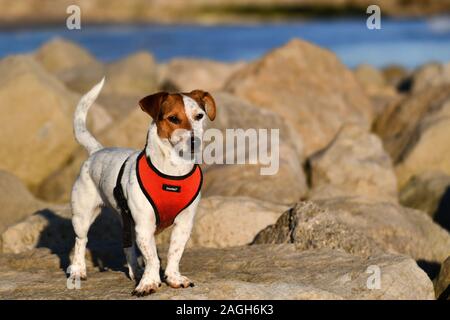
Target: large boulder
x=415, y=133
x=429, y=192
x=251, y=272
x=17, y=202
x=376, y=87
x=430, y=75
x=189, y=74
x=353, y=164
x=127, y=81
x=59, y=55
x=228, y=221
x=309, y=87
x=360, y=227
x=395, y=75
x=51, y=227
x=70, y=63
x=286, y=186
x=36, y=120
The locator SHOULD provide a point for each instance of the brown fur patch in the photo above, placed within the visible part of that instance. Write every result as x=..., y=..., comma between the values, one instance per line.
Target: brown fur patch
x=161, y=106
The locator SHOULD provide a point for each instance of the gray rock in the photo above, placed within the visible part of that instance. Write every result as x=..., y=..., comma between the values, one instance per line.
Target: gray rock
x=353, y=164
x=17, y=202
x=252, y=272
x=360, y=227
x=415, y=133
x=309, y=87
x=189, y=74
x=429, y=192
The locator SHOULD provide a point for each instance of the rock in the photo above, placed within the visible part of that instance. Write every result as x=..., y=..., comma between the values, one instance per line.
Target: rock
x=394, y=75
x=429, y=192
x=35, y=138
x=134, y=75
x=369, y=76
x=59, y=55
x=353, y=164
x=71, y=64
x=51, y=227
x=442, y=287
x=251, y=272
x=286, y=186
x=189, y=74
x=375, y=86
x=309, y=87
x=415, y=133
x=81, y=79
x=127, y=81
x=430, y=75
x=17, y=202
x=229, y=221
x=36, y=112
x=360, y=227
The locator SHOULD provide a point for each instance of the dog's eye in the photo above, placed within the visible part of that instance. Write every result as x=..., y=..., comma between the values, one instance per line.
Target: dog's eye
x=174, y=119
x=199, y=116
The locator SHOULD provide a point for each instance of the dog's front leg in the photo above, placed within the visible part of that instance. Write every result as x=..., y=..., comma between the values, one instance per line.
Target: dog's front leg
x=145, y=239
x=178, y=239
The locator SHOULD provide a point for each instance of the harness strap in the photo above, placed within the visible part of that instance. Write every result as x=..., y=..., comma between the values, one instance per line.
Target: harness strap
x=127, y=219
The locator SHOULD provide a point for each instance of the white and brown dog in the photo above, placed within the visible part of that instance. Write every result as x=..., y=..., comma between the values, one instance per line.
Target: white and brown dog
x=177, y=120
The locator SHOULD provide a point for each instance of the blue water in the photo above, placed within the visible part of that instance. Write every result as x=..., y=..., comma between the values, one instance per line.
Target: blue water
x=406, y=42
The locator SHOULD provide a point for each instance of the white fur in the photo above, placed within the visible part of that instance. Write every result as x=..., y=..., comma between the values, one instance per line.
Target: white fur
x=94, y=189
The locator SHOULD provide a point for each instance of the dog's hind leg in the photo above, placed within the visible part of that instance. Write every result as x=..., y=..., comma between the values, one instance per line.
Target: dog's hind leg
x=86, y=206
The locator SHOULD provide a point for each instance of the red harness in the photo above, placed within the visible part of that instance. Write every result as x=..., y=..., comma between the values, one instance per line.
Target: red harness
x=168, y=195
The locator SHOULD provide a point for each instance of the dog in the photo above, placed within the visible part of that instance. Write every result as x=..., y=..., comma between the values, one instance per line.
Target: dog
x=177, y=120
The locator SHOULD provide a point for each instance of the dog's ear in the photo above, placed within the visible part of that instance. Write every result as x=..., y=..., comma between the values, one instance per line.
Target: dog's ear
x=152, y=104
x=206, y=102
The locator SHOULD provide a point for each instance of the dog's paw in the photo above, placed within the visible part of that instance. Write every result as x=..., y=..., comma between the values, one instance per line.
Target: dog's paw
x=144, y=289
x=178, y=281
x=76, y=272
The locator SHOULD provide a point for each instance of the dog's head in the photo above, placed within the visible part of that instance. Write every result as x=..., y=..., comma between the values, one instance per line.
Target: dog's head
x=180, y=117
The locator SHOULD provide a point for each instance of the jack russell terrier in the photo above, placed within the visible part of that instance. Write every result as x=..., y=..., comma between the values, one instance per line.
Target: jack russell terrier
x=152, y=188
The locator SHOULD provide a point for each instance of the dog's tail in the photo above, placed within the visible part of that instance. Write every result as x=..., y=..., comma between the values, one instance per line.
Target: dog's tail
x=82, y=135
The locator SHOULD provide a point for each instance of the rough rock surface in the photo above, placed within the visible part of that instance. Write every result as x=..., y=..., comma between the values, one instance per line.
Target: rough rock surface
x=353, y=164
x=415, y=133
x=285, y=186
x=429, y=192
x=251, y=272
x=430, y=75
x=220, y=222
x=16, y=201
x=59, y=55
x=361, y=228
x=308, y=86
x=189, y=74
x=228, y=221
x=442, y=285
x=36, y=111
x=376, y=87
x=51, y=227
